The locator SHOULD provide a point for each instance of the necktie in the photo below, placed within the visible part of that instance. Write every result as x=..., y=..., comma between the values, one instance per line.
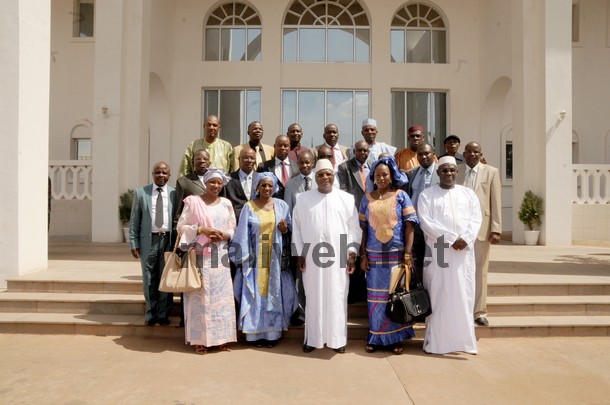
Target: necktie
x=159, y=209
x=427, y=178
x=307, y=184
x=284, y=173
x=248, y=188
x=363, y=176
x=332, y=159
x=470, y=179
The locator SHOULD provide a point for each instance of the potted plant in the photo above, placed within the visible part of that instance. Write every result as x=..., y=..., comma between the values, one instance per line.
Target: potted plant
x=529, y=213
x=125, y=201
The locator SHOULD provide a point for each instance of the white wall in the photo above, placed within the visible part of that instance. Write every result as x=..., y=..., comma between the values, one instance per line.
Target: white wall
x=591, y=82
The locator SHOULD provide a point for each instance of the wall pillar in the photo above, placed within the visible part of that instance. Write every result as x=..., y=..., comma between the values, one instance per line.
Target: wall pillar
x=120, y=121
x=25, y=38
x=542, y=79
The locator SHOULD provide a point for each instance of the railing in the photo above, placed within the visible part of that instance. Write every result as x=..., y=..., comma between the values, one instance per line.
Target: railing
x=591, y=184
x=70, y=179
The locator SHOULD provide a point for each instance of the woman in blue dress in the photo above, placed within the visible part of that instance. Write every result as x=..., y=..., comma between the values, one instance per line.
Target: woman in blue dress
x=387, y=217
x=265, y=293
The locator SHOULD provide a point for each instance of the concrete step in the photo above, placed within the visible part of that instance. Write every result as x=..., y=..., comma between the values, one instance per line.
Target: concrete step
x=122, y=325
x=76, y=303
x=553, y=305
x=75, y=286
x=548, y=287
x=544, y=326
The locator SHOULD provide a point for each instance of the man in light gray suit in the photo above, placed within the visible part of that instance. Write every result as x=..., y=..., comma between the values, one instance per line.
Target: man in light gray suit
x=420, y=178
x=150, y=231
x=304, y=181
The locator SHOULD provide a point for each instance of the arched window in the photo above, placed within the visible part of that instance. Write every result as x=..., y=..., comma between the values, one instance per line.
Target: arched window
x=233, y=33
x=326, y=31
x=418, y=35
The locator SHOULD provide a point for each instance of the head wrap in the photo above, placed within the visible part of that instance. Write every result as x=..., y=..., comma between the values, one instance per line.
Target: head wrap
x=322, y=164
x=446, y=160
x=214, y=173
x=256, y=179
x=416, y=128
x=369, y=121
x=399, y=178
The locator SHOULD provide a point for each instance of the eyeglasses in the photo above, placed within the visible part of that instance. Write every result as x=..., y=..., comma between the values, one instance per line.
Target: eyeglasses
x=362, y=150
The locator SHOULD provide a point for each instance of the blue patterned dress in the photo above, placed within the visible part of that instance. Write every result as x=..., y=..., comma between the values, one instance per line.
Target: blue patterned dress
x=385, y=221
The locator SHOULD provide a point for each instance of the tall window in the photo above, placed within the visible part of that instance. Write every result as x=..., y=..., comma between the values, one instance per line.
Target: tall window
x=84, y=13
x=418, y=35
x=233, y=33
x=428, y=109
x=236, y=108
x=326, y=31
x=313, y=109
x=80, y=148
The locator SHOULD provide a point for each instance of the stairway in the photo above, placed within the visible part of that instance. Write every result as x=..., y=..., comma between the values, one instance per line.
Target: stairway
x=95, y=289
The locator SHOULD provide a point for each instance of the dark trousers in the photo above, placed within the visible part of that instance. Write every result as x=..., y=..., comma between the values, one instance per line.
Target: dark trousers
x=158, y=303
x=419, y=251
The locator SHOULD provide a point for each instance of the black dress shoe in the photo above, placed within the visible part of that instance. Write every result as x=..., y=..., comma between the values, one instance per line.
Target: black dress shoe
x=164, y=321
x=481, y=321
x=150, y=322
x=340, y=350
x=308, y=349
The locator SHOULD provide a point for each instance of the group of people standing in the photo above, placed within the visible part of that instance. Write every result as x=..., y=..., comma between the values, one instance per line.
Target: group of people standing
x=280, y=230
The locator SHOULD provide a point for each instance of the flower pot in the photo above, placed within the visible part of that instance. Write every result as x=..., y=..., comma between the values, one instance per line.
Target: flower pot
x=531, y=237
x=126, y=234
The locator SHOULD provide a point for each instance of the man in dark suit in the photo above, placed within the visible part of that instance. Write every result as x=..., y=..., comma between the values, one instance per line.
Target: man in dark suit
x=420, y=178
x=353, y=173
x=280, y=165
x=352, y=176
x=191, y=184
x=238, y=189
x=150, y=231
x=331, y=139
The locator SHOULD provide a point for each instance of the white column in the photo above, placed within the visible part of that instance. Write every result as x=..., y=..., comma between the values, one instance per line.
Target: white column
x=120, y=120
x=542, y=80
x=25, y=35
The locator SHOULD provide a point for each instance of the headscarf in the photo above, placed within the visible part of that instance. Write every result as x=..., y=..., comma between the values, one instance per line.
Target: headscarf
x=214, y=173
x=399, y=178
x=257, y=179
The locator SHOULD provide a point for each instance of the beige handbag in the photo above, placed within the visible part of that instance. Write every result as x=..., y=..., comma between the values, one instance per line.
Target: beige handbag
x=180, y=274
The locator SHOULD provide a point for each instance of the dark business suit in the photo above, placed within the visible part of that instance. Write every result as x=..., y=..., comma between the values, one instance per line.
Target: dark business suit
x=350, y=180
x=234, y=192
x=186, y=186
x=152, y=248
x=419, y=241
x=269, y=166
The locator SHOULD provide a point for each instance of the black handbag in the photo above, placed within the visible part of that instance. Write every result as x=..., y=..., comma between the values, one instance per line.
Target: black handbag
x=408, y=306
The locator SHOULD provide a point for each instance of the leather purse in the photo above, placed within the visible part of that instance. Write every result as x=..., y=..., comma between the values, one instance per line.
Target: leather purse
x=408, y=306
x=180, y=273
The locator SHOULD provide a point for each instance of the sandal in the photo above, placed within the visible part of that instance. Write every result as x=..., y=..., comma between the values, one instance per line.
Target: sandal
x=398, y=349
x=200, y=349
x=224, y=348
x=370, y=348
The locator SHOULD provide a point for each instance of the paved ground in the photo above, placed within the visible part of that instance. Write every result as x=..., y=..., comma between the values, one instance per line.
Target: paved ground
x=55, y=369
x=39, y=369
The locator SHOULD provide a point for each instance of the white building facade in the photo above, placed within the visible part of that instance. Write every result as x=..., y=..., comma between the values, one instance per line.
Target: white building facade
x=132, y=81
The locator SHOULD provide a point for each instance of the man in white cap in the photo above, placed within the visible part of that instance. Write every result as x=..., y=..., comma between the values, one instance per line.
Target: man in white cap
x=326, y=235
x=450, y=217
x=369, y=133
